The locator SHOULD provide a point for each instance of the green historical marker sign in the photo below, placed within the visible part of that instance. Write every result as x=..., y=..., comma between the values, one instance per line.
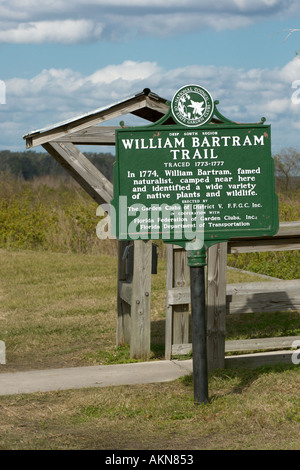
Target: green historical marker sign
x=205, y=178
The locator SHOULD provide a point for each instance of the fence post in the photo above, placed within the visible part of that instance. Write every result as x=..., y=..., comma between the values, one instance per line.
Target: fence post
x=123, y=307
x=181, y=278
x=216, y=305
x=141, y=300
x=169, y=308
x=177, y=316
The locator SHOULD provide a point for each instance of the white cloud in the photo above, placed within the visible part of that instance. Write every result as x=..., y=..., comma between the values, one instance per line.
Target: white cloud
x=56, y=21
x=245, y=95
x=58, y=31
x=128, y=71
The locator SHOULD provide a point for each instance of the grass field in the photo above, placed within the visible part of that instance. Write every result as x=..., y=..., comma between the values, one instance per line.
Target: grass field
x=59, y=310
x=248, y=410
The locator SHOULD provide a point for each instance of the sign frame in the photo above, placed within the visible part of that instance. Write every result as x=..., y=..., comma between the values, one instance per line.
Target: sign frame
x=217, y=124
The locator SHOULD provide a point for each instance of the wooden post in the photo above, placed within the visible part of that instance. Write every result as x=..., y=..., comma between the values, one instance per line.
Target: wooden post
x=123, y=306
x=169, y=307
x=141, y=300
x=216, y=305
x=181, y=278
x=177, y=316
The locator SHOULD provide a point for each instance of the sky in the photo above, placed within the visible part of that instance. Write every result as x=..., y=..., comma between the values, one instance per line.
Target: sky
x=60, y=59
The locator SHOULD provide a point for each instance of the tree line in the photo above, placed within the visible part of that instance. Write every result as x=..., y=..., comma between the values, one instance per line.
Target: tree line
x=30, y=164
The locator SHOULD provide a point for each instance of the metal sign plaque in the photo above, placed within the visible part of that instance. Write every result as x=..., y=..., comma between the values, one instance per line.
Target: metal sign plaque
x=192, y=106
x=177, y=183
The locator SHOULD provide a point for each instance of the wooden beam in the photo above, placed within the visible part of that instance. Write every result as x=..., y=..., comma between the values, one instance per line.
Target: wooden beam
x=149, y=107
x=83, y=122
x=252, y=246
x=156, y=108
x=287, y=238
x=242, y=345
x=259, y=359
x=269, y=296
x=82, y=170
x=94, y=135
x=282, y=342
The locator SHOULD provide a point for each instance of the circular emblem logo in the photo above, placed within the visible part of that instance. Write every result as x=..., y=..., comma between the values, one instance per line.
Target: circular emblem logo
x=192, y=106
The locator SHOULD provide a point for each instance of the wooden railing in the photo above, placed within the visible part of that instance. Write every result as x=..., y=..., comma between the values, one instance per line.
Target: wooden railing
x=223, y=299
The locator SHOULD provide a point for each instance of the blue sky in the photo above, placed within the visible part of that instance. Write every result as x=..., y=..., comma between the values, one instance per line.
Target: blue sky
x=61, y=59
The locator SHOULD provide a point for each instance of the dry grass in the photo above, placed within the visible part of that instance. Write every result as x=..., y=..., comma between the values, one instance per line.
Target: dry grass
x=56, y=308
x=59, y=310
x=247, y=410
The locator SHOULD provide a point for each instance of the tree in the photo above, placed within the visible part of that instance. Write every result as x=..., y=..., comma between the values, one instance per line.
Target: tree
x=287, y=166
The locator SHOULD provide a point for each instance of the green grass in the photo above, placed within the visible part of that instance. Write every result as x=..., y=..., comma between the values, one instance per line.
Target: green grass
x=56, y=307
x=50, y=214
x=263, y=325
x=59, y=310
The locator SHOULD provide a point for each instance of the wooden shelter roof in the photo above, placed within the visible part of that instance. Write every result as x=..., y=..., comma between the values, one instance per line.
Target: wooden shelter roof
x=60, y=139
x=82, y=129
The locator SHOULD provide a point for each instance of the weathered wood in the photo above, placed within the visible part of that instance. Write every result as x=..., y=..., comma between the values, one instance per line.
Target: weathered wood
x=169, y=305
x=252, y=246
x=216, y=305
x=125, y=291
x=287, y=238
x=95, y=135
x=177, y=314
x=259, y=359
x=182, y=349
x=2, y=353
x=83, y=122
x=141, y=300
x=179, y=295
x=261, y=344
x=82, y=170
x=149, y=107
x=259, y=296
x=123, y=326
x=244, y=345
x=181, y=278
x=288, y=228
x=263, y=296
